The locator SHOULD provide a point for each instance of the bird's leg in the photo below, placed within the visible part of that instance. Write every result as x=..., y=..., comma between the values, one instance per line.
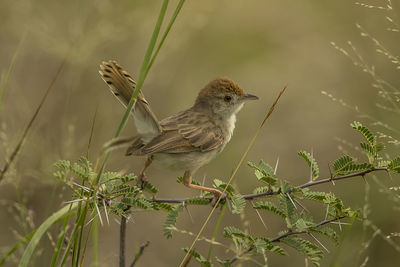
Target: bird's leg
x=142, y=175
x=187, y=181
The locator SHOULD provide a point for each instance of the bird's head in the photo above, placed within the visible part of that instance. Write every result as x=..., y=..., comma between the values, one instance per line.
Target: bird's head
x=222, y=97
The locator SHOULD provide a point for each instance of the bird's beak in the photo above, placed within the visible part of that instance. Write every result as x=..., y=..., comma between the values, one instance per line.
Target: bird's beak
x=249, y=97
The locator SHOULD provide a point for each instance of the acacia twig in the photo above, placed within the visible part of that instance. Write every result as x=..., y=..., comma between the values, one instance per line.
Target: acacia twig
x=280, y=237
x=271, y=192
x=139, y=253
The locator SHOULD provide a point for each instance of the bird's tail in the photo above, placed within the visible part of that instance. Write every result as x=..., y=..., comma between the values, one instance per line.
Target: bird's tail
x=121, y=85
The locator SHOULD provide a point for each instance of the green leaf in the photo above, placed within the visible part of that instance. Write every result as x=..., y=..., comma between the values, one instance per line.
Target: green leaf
x=326, y=231
x=262, y=244
x=126, y=190
x=107, y=177
x=197, y=201
x=302, y=225
x=371, y=139
x=342, y=163
x=80, y=171
x=269, y=206
x=383, y=163
x=353, y=168
x=222, y=185
x=163, y=206
x=369, y=151
x=142, y=203
x=238, y=237
x=65, y=211
x=264, y=172
x=310, y=250
x=170, y=222
x=63, y=167
x=345, y=165
x=199, y=258
x=150, y=188
x=224, y=263
x=380, y=146
x=261, y=189
x=287, y=207
x=83, y=161
x=394, y=165
x=127, y=178
x=238, y=203
x=315, y=195
x=63, y=164
x=311, y=162
x=285, y=187
x=179, y=180
x=231, y=231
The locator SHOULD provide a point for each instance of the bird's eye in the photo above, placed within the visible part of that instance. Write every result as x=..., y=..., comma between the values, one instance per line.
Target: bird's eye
x=227, y=98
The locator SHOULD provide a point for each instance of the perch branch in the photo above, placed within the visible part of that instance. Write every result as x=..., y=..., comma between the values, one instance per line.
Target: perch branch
x=269, y=193
x=278, y=238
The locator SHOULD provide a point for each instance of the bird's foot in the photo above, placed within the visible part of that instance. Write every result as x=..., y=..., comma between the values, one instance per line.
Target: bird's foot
x=217, y=195
x=142, y=180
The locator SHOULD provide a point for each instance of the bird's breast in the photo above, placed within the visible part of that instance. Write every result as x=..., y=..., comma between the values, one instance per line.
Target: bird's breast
x=227, y=127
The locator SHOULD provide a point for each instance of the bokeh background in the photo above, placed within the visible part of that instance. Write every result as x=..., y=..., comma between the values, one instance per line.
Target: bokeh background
x=262, y=45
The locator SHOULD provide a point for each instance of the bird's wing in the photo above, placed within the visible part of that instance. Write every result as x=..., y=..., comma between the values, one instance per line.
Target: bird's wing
x=122, y=85
x=185, y=132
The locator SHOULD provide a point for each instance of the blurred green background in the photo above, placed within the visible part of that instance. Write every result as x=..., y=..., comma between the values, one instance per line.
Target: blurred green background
x=262, y=45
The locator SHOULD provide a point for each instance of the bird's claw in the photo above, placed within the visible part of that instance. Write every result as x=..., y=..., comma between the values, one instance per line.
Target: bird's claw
x=142, y=180
x=217, y=195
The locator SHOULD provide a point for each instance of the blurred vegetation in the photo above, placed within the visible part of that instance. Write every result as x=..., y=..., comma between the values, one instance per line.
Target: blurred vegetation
x=262, y=46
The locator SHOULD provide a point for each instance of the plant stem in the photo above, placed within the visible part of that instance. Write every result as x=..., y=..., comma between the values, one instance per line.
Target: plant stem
x=95, y=239
x=221, y=216
x=122, y=232
x=28, y=127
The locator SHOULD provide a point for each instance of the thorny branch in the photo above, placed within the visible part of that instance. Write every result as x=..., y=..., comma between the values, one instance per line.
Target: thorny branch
x=271, y=192
x=278, y=238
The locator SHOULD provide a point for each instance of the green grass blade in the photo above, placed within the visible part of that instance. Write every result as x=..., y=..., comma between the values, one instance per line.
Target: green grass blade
x=67, y=210
x=139, y=84
x=74, y=237
x=28, y=127
x=85, y=245
x=221, y=216
x=16, y=246
x=166, y=32
x=144, y=67
x=60, y=242
x=4, y=80
x=95, y=239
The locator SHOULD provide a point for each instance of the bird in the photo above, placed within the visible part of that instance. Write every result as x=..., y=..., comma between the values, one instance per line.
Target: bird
x=188, y=139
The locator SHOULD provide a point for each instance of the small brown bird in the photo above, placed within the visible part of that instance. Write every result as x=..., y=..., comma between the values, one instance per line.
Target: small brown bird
x=187, y=140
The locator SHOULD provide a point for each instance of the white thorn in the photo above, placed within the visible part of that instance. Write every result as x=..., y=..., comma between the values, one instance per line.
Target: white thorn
x=105, y=211
x=319, y=242
x=98, y=212
x=327, y=211
x=291, y=200
x=311, y=164
x=259, y=215
x=276, y=165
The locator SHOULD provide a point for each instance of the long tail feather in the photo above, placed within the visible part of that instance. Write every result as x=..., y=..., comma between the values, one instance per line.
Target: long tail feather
x=121, y=85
